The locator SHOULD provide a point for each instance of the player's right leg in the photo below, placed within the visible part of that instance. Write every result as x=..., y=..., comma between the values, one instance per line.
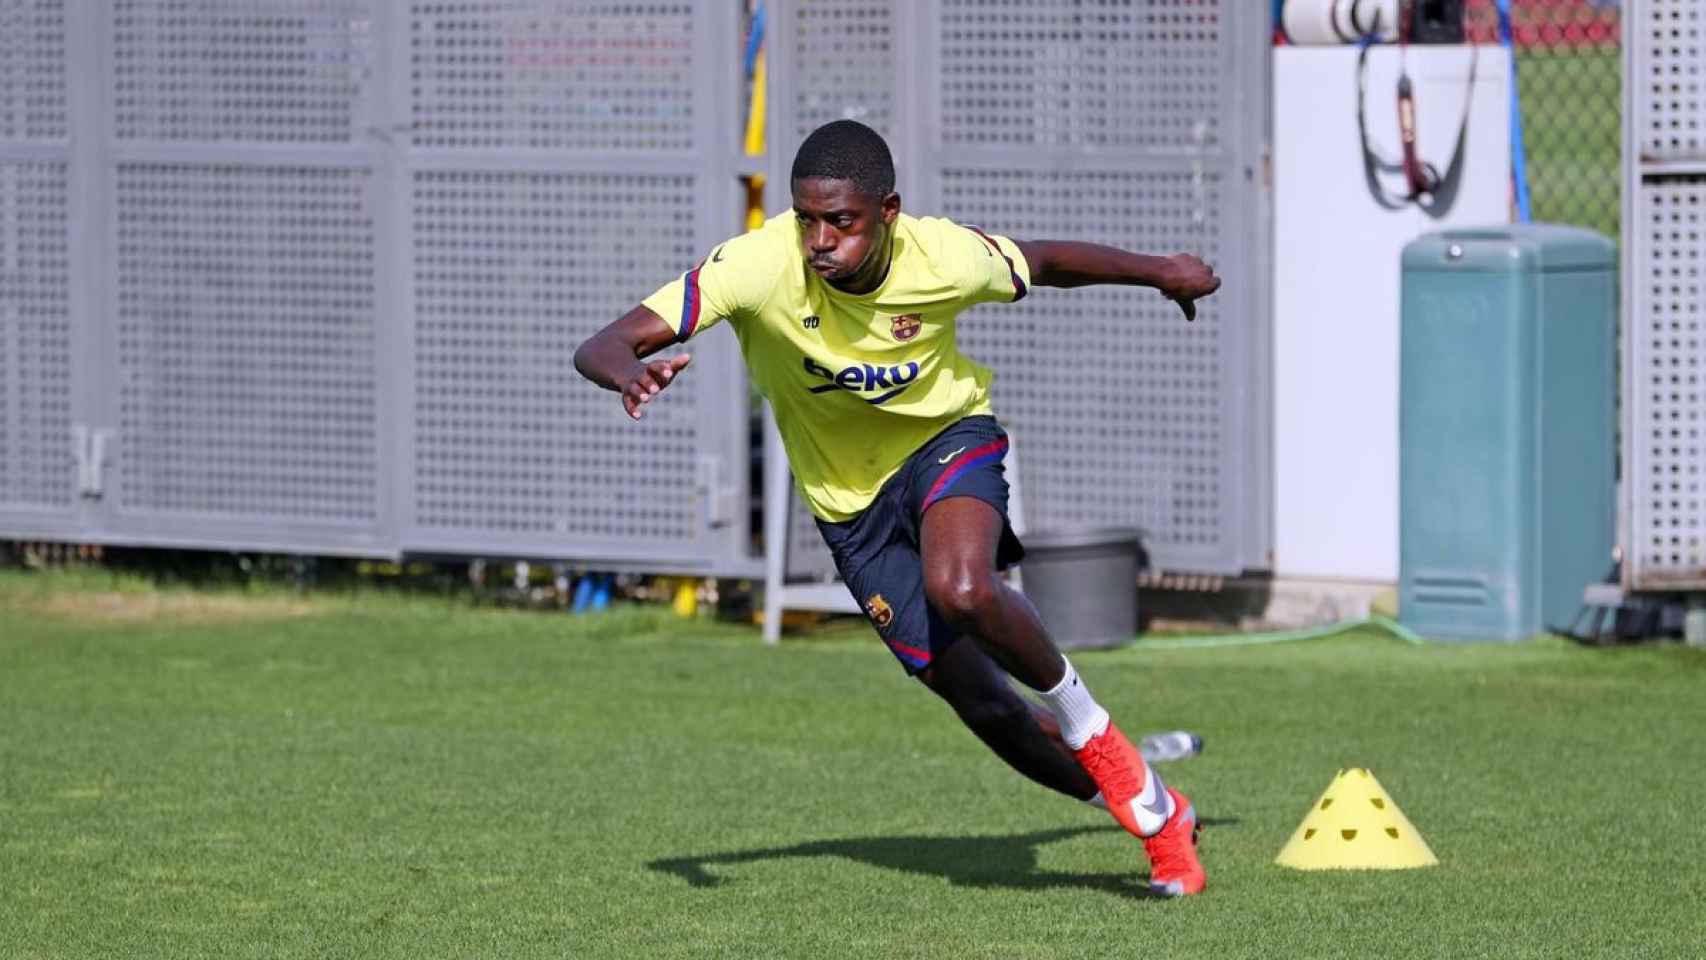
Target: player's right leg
x=959, y=542
x=1019, y=732
x=922, y=560
x=879, y=562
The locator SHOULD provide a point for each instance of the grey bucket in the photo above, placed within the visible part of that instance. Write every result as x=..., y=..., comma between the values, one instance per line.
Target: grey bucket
x=1084, y=584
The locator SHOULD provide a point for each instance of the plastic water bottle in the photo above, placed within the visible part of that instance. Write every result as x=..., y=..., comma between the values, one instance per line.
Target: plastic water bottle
x=1172, y=745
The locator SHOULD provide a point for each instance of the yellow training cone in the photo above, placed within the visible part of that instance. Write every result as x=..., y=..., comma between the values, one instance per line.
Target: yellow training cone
x=1356, y=826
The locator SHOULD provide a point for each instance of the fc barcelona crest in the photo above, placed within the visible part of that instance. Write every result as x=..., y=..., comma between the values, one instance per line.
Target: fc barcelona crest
x=878, y=608
x=906, y=326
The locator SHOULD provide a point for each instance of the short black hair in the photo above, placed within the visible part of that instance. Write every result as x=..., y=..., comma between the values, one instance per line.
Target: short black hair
x=847, y=150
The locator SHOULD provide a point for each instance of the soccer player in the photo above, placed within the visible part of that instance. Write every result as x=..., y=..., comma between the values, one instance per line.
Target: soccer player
x=845, y=311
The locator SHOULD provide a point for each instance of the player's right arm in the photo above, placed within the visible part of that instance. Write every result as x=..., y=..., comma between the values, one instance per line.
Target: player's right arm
x=731, y=283
x=614, y=358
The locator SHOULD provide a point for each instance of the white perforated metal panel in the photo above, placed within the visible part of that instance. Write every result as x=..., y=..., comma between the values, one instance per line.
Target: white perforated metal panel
x=1139, y=124
x=249, y=181
x=32, y=70
x=1665, y=389
x=1087, y=73
x=36, y=462
x=844, y=64
x=564, y=159
x=553, y=74
x=1669, y=38
x=1128, y=124
x=511, y=272
x=808, y=557
x=272, y=71
x=1117, y=402
x=246, y=323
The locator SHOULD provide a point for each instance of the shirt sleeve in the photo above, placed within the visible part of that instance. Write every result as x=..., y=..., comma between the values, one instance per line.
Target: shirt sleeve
x=731, y=283
x=995, y=269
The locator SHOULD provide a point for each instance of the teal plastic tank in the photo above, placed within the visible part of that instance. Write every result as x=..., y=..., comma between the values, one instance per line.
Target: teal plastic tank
x=1506, y=475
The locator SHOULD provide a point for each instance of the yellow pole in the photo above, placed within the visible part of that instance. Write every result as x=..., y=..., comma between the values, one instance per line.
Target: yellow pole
x=755, y=126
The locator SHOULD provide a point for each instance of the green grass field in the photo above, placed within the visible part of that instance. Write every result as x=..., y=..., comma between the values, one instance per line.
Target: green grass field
x=190, y=775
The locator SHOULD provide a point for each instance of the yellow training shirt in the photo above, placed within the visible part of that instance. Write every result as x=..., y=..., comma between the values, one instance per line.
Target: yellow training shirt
x=857, y=382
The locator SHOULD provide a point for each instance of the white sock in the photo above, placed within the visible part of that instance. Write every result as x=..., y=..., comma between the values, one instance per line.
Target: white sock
x=1080, y=716
x=1098, y=801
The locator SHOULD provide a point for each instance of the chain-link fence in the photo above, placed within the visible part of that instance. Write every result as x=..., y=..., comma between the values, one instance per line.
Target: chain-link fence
x=1568, y=57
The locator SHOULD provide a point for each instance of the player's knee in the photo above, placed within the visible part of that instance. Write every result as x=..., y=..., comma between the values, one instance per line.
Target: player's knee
x=961, y=597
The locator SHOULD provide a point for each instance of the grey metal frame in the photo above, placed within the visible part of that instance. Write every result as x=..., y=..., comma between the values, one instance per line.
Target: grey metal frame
x=715, y=398
x=182, y=509
x=39, y=168
x=189, y=141
x=1663, y=516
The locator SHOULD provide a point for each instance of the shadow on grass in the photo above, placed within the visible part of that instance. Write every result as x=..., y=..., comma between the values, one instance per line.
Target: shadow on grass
x=987, y=862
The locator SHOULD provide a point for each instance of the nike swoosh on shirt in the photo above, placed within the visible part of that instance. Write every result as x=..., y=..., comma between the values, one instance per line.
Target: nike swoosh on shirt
x=718, y=256
x=952, y=455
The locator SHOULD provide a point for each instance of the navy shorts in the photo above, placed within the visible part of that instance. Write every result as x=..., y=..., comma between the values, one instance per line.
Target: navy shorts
x=877, y=552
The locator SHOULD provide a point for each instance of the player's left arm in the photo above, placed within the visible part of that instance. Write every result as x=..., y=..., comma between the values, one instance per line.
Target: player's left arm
x=1182, y=278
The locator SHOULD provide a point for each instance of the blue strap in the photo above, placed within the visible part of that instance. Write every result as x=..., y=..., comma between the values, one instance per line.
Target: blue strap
x=1519, y=153
x=755, y=39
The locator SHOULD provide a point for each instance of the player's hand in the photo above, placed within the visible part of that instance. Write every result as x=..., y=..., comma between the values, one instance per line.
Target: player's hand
x=1186, y=280
x=648, y=380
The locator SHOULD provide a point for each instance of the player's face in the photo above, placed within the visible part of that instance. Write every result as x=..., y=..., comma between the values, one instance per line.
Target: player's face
x=843, y=233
